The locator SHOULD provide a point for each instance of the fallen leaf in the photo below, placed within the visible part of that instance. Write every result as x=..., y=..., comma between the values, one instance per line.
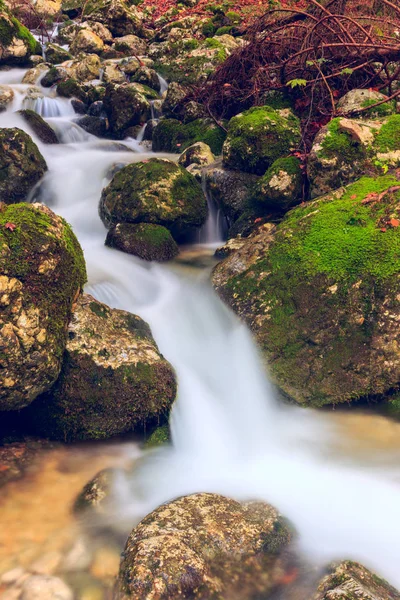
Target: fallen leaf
x=10, y=226
x=353, y=197
x=383, y=229
x=394, y=222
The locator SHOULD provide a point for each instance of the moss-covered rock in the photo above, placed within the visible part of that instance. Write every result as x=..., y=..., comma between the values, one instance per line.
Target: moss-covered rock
x=129, y=45
x=258, y=137
x=87, y=41
x=56, y=54
x=21, y=165
x=160, y=436
x=147, y=77
x=171, y=135
x=70, y=88
x=6, y=97
x=321, y=294
x=113, y=378
x=145, y=240
x=42, y=271
x=197, y=154
x=120, y=17
x=53, y=76
x=154, y=191
x=349, y=580
x=126, y=107
x=42, y=129
x=17, y=44
x=351, y=103
x=281, y=186
x=204, y=546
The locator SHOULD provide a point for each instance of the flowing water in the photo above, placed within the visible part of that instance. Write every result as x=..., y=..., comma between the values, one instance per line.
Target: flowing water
x=336, y=476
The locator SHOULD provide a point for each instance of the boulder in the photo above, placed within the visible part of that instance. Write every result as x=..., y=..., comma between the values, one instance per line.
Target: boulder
x=32, y=76
x=204, y=546
x=129, y=45
x=112, y=73
x=17, y=44
x=197, y=154
x=258, y=137
x=118, y=16
x=87, y=41
x=86, y=69
x=145, y=240
x=126, y=107
x=320, y=291
x=53, y=76
x=282, y=185
x=40, y=127
x=42, y=272
x=349, y=580
x=47, y=9
x=56, y=55
x=148, y=77
x=172, y=104
x=71, y=88
x=21, y=165
x=6, y=97
x=351, y=103
x=171, y=135
x=97, y=126
x=113, y=378
x=154, y=191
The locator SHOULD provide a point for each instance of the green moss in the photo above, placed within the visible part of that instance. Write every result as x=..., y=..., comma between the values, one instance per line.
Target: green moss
x=146, y=240
x=159, y=437
x=70, y=88
x=216, y=44
x=280, y=199
x=388, y=138
x=99, y=309
x=382, y=110
x=208, y=28
x=226, y=30
x=24, y=34
x=170, y=135
x=340, y=144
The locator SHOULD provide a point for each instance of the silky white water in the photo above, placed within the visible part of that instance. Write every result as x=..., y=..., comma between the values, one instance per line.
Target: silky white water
x=230, y=433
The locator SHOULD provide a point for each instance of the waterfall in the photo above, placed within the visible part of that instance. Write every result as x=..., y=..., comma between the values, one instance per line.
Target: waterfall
x=214, y=229
x=230, y=433
x=50, y=107
x=163, y=84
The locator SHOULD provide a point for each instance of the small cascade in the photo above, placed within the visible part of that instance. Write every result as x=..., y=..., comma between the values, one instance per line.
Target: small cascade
x=140, y=135
x=214, y=229
x=163, y=84
x=50, y=107
x=69, y=132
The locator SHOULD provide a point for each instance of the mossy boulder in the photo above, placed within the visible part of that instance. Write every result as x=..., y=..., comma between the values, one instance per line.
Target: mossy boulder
x=173, y=101
x=17, y=44
x=126, y=107
x=258, y=137
x=358, y=100
x=170, y=135
x=21, y=165
x=121, y=18
x=281, y=186
x=113, y=378
x=71, y=88
x=197, y=154
x=147, y=77
x=87, y=41
x=145, y=240
x=42, y=271
x=320, y=291
x=154, y=191
x=56, y=54
x=204, y=546
x=40, y=127
x=349, y=580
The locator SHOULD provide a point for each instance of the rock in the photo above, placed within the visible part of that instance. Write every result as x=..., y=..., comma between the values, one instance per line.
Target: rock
x=6, y=97
x=204, y=546
x=70, y=88
x=40, y=127
x=112, y=73
x=113, y=377
x=45, y=587
x=282, y=185
x=125, y=107
x=192, y=111
x=155, y=191
x=46, y=564
x=197, y=154
x=87, y=41
x=321, y=294
x=17, y=44
x=147, y=77
x=258, y=137
x=42, y=271
x=21, y=165
x=33, y=75
x=160, y=436
x=87, y=69
x=12, y=576
x=147, y=241
x=230, y=247
x=98, y=493
x=95, y=125
x=176, y=93
x=231, y=190
x=13, y=593
x=53, y=76
x=120, y=18
x=171, y=135
x=129, y=45
x=351, y=581
x=16, y=460
x=56, y=55
x=47, y=9
x=351, y=103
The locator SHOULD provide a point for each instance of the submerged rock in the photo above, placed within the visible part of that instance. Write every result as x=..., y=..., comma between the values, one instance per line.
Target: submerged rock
x=42, y=129
x=21, y=165
x=42, y=271
x=154, y=191
x=145, y=240
x=320, y=291
x=98, y=493
x=204, y=546
x=113, y=377
x=258, y=137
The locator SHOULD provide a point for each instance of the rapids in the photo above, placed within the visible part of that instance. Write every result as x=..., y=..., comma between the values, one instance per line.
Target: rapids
x=230, y=432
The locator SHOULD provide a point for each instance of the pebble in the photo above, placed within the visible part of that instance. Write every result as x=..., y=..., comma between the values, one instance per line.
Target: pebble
x=12, y=576
x=45, y=587
x=46, y=564
x=11, y=594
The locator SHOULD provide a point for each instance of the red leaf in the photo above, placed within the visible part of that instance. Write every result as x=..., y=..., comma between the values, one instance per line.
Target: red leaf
x=394, y=222
x=383, y=229
x=10, y=226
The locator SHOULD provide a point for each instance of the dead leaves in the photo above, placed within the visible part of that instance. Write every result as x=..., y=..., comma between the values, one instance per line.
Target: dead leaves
x=10, y=226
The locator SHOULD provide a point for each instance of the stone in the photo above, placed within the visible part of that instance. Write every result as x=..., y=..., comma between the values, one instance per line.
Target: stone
x=129, y=45
x=351, y=103
x=86, y=69
x=176, y=93
x=56, y=55
x=46, y=564
x=119, y=17
x=78, y=558
x=33, y=75
x=45, y=587
x=87, y=41
x=170, y=135
x=154, y=191
x=21, y=165
x=42, y=271
x=6, y=97
x=126, y=107
x=40, y=127
x=148, y=77
x=145, y=240
x=197, y=154
x=282, y=185
x=98, y=494
x=320, y=292
x=113, y=377
x=258, y=137
x=17, y=44
x=204, y=546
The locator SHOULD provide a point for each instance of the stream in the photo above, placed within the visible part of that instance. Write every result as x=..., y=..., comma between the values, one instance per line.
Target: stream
x=334, y=474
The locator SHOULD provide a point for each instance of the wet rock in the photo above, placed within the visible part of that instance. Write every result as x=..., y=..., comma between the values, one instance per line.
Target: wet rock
x=71, y=88
x=98, y=493
x=155, y=191
x=46, y=9
x=6, y=97
x=119, y=18
x=147, y=77
x=230, y=247
x=129, y=45
x=126, y=107
x=97, y=126
x=12, y=576
x=56, y=55
x=42, y=271
x=42, y=129
x=32, y=75
x=21, y=165
x=204, y=546
x=112, y=73
x=87, y=41
x=176, y=93
x=17, y=44
x=198, y=154
x=145, y=240
x=171, y=135
x=16, y=458
x=113, y=377
x=321, y=291
x=87, y=69
x=281, y=186
x=79, y=557
x=258, y=137
x=45, y=587
x=351, y=103
x=351, y=581
x=47, y=564
x=52, y=76
x=160, y=436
